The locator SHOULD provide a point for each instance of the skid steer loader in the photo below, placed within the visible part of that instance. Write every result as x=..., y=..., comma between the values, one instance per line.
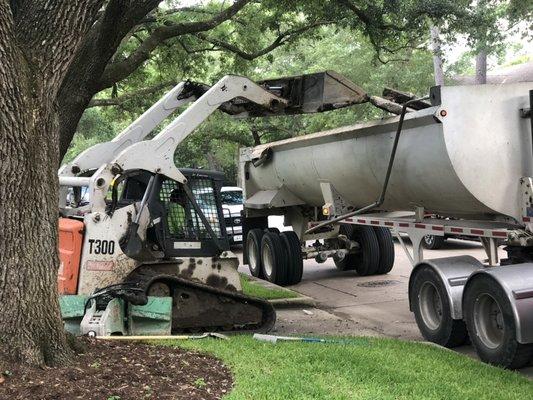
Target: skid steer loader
x=143, y=246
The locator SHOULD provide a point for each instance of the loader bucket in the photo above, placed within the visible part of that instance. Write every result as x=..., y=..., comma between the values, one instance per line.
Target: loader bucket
x=312, y=93
x=309, y=93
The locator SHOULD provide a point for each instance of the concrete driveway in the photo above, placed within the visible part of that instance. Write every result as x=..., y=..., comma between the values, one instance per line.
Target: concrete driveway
x=355, y=305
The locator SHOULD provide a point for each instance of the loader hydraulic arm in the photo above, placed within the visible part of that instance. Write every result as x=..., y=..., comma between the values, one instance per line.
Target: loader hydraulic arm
x=101, y=153
x=162, y=147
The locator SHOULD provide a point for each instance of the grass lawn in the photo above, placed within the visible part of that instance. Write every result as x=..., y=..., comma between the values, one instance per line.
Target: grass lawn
x=251, y=288
x=376, y=369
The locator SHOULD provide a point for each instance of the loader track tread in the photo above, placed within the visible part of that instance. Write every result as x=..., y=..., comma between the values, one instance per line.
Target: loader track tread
x=199, y=307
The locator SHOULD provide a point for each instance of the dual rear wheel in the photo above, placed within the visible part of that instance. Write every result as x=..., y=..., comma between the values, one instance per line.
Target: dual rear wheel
x=376, y=255
x=275, y=256
x=488, y=320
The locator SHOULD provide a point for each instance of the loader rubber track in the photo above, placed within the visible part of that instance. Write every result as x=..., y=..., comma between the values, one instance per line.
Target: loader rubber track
x=198, y=307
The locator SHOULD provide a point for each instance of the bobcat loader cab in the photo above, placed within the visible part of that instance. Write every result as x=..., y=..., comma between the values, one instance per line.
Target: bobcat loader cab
x=142, y=240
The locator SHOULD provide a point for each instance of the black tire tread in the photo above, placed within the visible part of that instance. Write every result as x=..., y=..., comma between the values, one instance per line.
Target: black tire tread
x=280, y=257
x=453, y=333
x=512, y=354
x=367, y=261
x=386, y=250
x=295, y=260
x=256, y=235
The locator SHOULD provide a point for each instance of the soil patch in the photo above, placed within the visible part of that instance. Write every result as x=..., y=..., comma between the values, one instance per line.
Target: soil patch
x=122, y=371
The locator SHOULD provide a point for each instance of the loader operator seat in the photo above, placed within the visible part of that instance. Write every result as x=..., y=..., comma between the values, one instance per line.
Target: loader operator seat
x=177, y=213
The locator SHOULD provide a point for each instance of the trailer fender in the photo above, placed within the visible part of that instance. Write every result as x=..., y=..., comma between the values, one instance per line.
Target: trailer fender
x=517, y=282
x=454, y=273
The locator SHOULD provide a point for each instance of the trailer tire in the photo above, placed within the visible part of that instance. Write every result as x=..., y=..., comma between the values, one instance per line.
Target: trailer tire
x=274, y=258
x=386, y=250
x=430, y=304
x=349, y=262
x=367, y=260
x=490, y=322
x=295, y=260
x=253, y=249
x=432, y=242
x=273, y=230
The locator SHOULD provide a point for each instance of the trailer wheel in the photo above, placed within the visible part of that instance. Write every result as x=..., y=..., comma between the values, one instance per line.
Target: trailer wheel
x=295, y=260
x=429, y=301
x=253, y=249
x=433, y=242
x=273, y=230
x=349, y=262
x=274, y=258
x=386, y=250
x=490, y=322
x=367, y=260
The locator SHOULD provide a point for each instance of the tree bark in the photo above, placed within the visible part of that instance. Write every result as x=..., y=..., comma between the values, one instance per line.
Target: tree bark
x=37, y=40
x=437, y=56
x=481, y=67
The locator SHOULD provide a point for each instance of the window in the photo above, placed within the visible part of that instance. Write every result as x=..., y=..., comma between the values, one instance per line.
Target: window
x=231, y=197
x=182, y=220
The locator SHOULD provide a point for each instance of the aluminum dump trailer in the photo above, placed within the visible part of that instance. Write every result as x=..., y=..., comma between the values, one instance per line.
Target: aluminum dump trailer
x=461, y=166
x=446, y=156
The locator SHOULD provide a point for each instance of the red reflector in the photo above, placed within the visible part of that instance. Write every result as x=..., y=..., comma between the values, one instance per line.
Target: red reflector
x=499, y=234
x=361, y=221
x=403, y=225
x=420, y=226
x=389, y=223
x=476, y=231
x=374, y=222
x=457, y=230
x=437, y=228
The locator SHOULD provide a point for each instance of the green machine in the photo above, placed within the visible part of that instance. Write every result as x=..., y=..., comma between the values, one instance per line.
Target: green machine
x=99, y=315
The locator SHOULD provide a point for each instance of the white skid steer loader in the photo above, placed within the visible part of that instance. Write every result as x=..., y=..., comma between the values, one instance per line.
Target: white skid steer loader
x=143, y=245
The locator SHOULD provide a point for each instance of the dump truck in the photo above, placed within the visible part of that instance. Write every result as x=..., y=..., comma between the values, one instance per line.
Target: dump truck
x=143, y=244
x=458, y=162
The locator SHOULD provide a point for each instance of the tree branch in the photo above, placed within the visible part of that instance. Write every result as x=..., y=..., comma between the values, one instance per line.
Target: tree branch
x=368, y=20
x=82, y=80
x=116, y=101
x=121, y=69
x=279, y=41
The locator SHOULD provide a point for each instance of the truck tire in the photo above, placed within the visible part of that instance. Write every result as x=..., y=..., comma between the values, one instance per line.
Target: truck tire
x=253, y=249
x=273, y=230
x=430, y=304
x=432, y=242
x=295, y=260
x=367, y=259
x=491, y=325
x=349, y=262
x=386, y=250
x=274, y=258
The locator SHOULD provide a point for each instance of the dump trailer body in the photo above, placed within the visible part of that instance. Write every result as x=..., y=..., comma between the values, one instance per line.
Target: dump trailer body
x=462, y=157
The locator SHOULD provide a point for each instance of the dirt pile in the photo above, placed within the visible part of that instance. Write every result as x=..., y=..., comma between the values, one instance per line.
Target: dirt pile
x=122, y=371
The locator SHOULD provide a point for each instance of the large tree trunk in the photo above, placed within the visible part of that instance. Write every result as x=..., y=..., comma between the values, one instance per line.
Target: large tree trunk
x=31, y=329
x=481, y=67
x=37, y=40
